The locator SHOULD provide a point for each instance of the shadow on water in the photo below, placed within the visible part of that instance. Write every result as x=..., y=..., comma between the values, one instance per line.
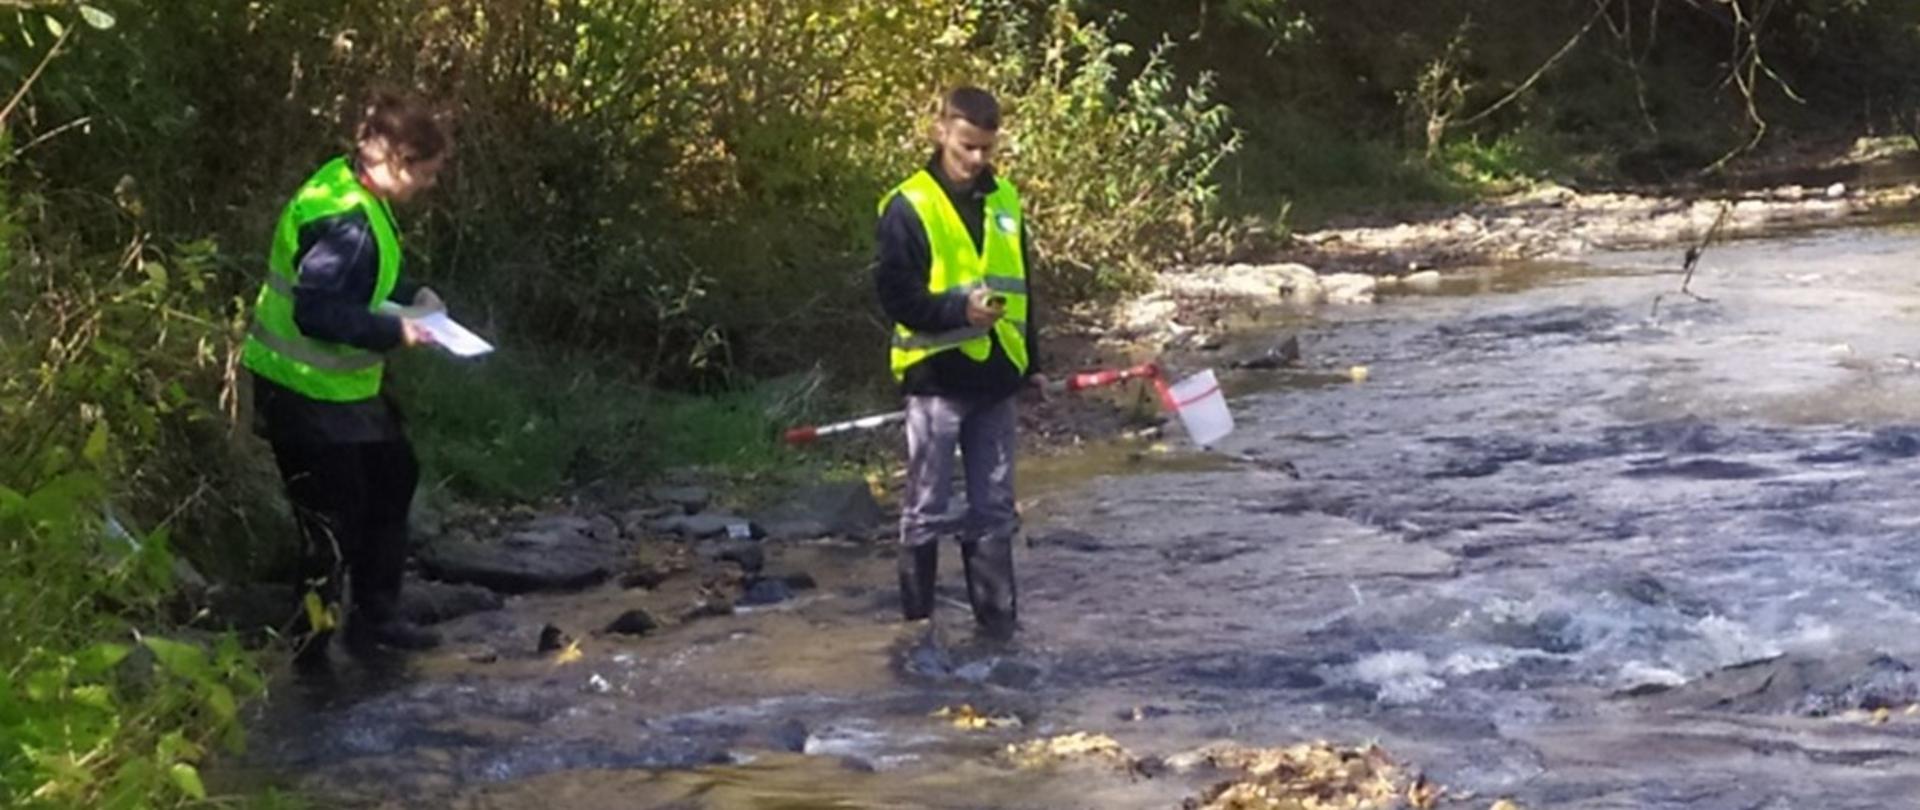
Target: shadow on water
x=1555, y=546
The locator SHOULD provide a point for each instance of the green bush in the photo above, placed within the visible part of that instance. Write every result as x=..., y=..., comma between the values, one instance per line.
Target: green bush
x=1118, y=170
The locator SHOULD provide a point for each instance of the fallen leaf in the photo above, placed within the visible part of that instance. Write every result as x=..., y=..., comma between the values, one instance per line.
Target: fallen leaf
x=1504, y=804
x=569, y=654
x=1079, y=745
x=1880, y=716
x=967, y=717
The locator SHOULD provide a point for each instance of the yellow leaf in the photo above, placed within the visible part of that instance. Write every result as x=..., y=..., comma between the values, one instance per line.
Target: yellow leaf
x=1880, y=716
x=320, y=617
x=1504, y=804
x=569, y=655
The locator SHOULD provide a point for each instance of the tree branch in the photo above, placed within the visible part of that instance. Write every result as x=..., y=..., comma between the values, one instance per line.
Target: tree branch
x=1537, y=74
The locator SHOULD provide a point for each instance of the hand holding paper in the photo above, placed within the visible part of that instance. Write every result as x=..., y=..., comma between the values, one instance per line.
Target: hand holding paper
x=450, y=335
x=441, y=330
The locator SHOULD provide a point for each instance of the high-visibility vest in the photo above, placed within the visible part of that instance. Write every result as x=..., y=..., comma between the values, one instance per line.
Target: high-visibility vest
x=997, y=264
x=275, y=349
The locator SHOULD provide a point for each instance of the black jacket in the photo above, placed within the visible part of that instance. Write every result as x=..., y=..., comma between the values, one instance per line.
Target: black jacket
x=338, y=264
x=901, y=266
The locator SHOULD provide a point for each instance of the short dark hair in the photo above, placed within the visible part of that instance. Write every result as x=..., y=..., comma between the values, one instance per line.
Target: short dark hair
x=973, y=105
x=406, y=121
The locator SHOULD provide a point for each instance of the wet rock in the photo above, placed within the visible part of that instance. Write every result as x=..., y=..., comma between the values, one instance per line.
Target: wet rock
x=636, y=622
x=1285, y=354
x=1423, y=281
x=689, y=499
x=1793, y=684
x=527, y=560
x=1010, y=673
x=706, y=524
x=1247, y=283
x=1348, y=288
x=789, y=530
x=428, y=602
x=745, y=553
x=552, y=638
x=596, y=527
x=761, y=591
x=639, y=523
x=843, y=508
x=712, y=607
x=1146, y=316
x=648, y=577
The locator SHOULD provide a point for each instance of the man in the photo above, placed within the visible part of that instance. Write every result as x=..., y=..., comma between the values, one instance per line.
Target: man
x=952, y=275
x=315, y=350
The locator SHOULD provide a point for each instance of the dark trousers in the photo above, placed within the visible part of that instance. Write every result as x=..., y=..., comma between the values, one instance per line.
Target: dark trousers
x=351, y=502
x=984, y=433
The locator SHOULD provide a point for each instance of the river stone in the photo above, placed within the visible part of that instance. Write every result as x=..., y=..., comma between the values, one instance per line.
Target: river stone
x=845, y=508
x=691, y=499
x=766, y=592
x=639, y=523
x=708, y=608
x=1146, y=315
x=1246, y=283
x=524, y=561
x=744, y=553
x=636, y=622
x=1793, y=684
x=704, y=525
x=427, y=602
x=1423, y=281
x=647, y=576
x=552, y=638
x=1349, y=288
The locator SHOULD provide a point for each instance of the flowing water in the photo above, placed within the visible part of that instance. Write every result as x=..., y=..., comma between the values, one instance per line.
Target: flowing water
x=1558, y=546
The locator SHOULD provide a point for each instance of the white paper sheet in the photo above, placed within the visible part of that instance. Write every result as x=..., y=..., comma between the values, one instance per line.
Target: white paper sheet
x=450, y=335
x=447, y=333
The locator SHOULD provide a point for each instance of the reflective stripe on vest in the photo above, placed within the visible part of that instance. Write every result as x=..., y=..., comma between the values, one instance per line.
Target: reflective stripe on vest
x=998, y=265
x=275, y=348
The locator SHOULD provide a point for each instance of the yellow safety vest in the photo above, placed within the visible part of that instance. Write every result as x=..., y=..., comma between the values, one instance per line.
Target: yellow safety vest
x=275, y=349
x=998, y=264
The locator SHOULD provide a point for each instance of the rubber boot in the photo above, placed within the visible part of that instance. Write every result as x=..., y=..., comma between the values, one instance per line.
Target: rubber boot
x=919, y=566
x=990, y=587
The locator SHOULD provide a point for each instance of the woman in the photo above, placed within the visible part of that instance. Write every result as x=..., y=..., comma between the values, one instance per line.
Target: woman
x=316, y=353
